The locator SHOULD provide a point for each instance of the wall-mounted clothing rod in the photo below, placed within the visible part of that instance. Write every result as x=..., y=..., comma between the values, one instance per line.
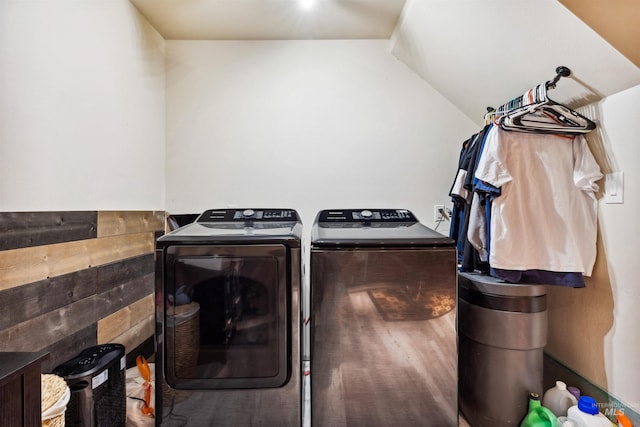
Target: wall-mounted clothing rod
x=561, y=71
x=533, y=111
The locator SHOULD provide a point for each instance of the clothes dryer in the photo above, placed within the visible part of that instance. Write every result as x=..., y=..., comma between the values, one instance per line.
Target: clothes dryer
x=228, y=320
x=383, y=321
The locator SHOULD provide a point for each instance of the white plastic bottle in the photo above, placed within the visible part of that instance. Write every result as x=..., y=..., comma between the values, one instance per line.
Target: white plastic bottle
x=586, y=411
x=558, y=399
x=568, y=422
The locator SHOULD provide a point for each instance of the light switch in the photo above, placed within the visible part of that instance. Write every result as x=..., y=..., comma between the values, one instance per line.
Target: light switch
x=614, y=187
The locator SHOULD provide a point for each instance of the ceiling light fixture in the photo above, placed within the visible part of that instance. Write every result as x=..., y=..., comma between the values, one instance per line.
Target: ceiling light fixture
x=307, y=4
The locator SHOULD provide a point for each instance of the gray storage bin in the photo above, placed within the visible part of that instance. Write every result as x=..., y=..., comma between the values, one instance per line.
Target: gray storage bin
x=502, y=331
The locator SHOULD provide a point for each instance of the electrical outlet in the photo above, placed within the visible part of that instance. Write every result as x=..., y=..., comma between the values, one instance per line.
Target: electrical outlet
x=437, y=213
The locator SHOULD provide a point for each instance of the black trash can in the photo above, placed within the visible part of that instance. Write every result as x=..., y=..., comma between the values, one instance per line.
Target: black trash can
x=96, y=378
x=502, y=331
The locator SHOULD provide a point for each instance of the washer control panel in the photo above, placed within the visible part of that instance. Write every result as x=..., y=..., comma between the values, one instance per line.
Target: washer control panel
x=366, y=215
x=230, y=215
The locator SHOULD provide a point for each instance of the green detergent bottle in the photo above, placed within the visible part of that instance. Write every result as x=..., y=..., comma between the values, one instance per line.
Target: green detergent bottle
x=538, y=415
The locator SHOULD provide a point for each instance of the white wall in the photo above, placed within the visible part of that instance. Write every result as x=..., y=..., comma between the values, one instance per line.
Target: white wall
x=81, y=107
x=305, y=124
x=620, y=231
x=595, y=330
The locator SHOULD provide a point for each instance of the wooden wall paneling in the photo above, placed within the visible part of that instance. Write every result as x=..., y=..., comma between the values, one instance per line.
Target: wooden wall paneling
x=123, y=295
x=34, y=299
x=142, y=309
x=122, y=320
x=112, y=223
x=42, y=331
x=114, y=324
x=70, y=346
x=137, y=334
x=125, y=299
x=146, y=349
x=69, y=280
x=27, y=265
x=25, y=229
x=123, y=271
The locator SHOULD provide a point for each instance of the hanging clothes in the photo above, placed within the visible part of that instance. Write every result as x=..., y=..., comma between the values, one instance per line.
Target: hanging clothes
x=546, y=216
x=462, y=194
x=525, y=193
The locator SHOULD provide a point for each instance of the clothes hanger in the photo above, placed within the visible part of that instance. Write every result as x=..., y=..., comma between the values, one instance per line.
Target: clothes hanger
x=537, y=113
x=489, y=116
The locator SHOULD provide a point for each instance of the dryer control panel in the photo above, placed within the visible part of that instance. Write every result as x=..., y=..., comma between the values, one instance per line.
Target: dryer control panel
x=367, y=215
x=231, y=215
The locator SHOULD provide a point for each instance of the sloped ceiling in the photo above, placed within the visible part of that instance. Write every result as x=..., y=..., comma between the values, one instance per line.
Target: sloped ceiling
x=618, y=21
x=481, y=53
x=477, y=53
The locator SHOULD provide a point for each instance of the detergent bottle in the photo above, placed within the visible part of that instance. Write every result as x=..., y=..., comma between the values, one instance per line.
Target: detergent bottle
x=575, y=391
x=538, y=415
x=558, y=399
x=586, y=411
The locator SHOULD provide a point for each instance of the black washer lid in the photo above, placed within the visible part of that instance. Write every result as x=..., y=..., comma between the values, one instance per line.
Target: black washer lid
x=221, y=226
x=373, y=228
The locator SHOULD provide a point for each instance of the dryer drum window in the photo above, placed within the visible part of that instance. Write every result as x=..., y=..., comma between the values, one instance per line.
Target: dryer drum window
x=226, y=317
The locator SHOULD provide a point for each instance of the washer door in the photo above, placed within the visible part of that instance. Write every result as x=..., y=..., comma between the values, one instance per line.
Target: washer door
x=226, y=316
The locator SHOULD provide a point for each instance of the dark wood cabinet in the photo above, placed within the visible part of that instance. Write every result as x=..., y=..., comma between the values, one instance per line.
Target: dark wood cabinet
x=20, y=389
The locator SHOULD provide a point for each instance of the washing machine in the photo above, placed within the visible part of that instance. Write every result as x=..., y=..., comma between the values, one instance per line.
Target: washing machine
x=383, y=321
x=228, y=320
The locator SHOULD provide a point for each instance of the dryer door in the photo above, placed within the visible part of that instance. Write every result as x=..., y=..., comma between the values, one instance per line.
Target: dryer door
x=226, y=316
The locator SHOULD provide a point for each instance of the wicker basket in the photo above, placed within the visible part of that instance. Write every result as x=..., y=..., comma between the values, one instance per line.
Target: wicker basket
x=183, y=337
x=54, y=397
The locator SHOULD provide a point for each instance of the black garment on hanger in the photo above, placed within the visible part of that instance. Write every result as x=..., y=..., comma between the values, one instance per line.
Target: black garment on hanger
x=468, y=256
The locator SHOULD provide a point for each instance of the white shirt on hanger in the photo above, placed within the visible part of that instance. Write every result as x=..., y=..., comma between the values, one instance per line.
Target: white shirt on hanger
x=546, y=217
